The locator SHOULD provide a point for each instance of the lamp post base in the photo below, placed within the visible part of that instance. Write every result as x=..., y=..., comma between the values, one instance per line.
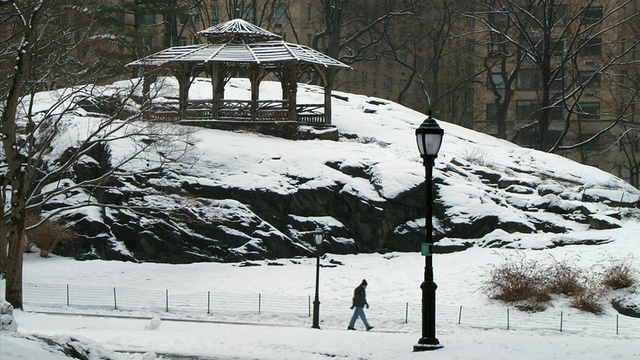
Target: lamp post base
x=427, y=344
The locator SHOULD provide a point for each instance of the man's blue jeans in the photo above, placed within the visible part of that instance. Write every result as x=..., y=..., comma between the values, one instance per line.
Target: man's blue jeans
x=358, y=312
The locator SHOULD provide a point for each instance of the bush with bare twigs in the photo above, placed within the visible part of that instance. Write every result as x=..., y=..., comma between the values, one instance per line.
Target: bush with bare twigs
x=47, y=235
x=620, y=274
x=565, y=278
x=529, y=284
x=518, y=281
x=590, y=296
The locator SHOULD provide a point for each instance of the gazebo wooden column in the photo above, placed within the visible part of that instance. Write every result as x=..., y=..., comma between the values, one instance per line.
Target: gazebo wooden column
x=290, y=77
x=327, y=76
x=217, y=88
x=183, y=73
x=255, y=77
x=148, y=78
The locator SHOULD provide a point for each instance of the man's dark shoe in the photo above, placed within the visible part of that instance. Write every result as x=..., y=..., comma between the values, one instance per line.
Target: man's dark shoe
x=350, y=328
x=369, y=328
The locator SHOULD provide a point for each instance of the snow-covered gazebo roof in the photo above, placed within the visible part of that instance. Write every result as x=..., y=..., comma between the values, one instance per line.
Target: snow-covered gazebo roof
x=237, y=30
x=240, y=42
x=264, y=53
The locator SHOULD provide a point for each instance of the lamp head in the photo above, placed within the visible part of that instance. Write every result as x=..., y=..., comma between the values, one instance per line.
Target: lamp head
x=429, y=137
x=318, y=236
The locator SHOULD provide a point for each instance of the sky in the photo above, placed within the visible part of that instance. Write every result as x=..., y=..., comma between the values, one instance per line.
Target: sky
x=255, y=161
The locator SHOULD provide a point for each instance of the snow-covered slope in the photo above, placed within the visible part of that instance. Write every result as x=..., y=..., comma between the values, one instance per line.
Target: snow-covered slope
x=242, y=195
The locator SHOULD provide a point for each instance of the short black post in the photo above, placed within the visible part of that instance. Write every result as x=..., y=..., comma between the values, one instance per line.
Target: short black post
x=318, y=236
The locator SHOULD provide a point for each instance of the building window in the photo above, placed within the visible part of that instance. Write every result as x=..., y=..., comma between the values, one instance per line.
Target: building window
x=215, y=12
x=149, y=41
x=364, y=78
x=497, y=48
x=492, y=112
x=355, y=77
x=526, y=109
x=279, y=12
x=556, y=113
x=310, y=39
x=388, y=83
x=309, y=12
x=374, y=81
x=495, y=79
x=589, y=78
x=592, y=47
x=592, y=14
x=182, y=41
x=148, y=19
x=558, y=13
x=196, y=15
x=593, y=145
x=499, y=19
x=528, y=79
x=195, y=39
x=556, y=45
x=589, y=111
x=402, y=84
x=417, y=89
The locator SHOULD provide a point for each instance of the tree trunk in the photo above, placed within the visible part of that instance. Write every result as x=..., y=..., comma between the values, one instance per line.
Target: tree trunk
x=17, y=176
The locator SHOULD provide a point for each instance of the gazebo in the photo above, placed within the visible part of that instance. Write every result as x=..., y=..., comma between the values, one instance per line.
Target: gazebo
x=238, y=47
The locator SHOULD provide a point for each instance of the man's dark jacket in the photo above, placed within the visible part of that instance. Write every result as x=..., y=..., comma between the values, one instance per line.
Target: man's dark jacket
x=359, y=297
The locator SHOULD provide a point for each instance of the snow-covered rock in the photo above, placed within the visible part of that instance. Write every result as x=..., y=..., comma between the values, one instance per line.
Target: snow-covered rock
x=7, y=321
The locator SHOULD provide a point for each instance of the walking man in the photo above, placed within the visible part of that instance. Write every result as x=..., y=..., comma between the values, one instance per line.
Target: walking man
x=359, y=302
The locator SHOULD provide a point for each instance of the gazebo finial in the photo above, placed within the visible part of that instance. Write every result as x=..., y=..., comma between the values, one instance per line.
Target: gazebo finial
x=237, y=13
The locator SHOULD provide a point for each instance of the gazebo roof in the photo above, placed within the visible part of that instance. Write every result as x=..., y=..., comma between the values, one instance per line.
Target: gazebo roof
x=239, y=42
x=237, y=30
x=264, y=53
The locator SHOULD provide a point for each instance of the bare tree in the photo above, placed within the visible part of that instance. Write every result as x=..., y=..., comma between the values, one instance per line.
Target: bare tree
x=352, y=30
x=560, y=50
x=35, y=124
x=432, y=46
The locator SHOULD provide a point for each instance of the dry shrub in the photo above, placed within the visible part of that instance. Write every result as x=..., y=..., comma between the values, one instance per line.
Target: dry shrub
x=620, y=274
x=518, y=281
x=565, y=278
x=590, y=297
x=48, y=235
x=528, y=285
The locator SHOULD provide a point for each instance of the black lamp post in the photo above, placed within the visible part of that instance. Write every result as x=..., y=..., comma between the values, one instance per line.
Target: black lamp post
x=318, y=236
x=429, y=137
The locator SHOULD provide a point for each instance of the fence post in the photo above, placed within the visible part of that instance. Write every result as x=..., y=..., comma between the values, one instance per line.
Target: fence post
x=67, y=294
x=460, y=315
x=309, y=305
x=115, y=299
x=507, y=318
x=406, y=314
x=167, y=302
x=561, y=318
x=617, y=324
x=259, y=303
x=208, y=302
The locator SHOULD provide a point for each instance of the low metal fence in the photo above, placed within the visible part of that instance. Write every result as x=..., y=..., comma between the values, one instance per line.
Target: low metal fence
x=396, y=316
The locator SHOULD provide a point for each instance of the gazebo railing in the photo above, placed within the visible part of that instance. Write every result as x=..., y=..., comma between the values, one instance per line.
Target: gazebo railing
x=268, y=110
x=311, y=113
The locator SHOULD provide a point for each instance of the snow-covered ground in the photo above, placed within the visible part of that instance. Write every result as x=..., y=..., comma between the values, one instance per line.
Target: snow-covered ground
x=393, y=280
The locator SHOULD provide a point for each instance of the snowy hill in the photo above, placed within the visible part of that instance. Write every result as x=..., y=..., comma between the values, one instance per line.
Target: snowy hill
x=246, y=196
